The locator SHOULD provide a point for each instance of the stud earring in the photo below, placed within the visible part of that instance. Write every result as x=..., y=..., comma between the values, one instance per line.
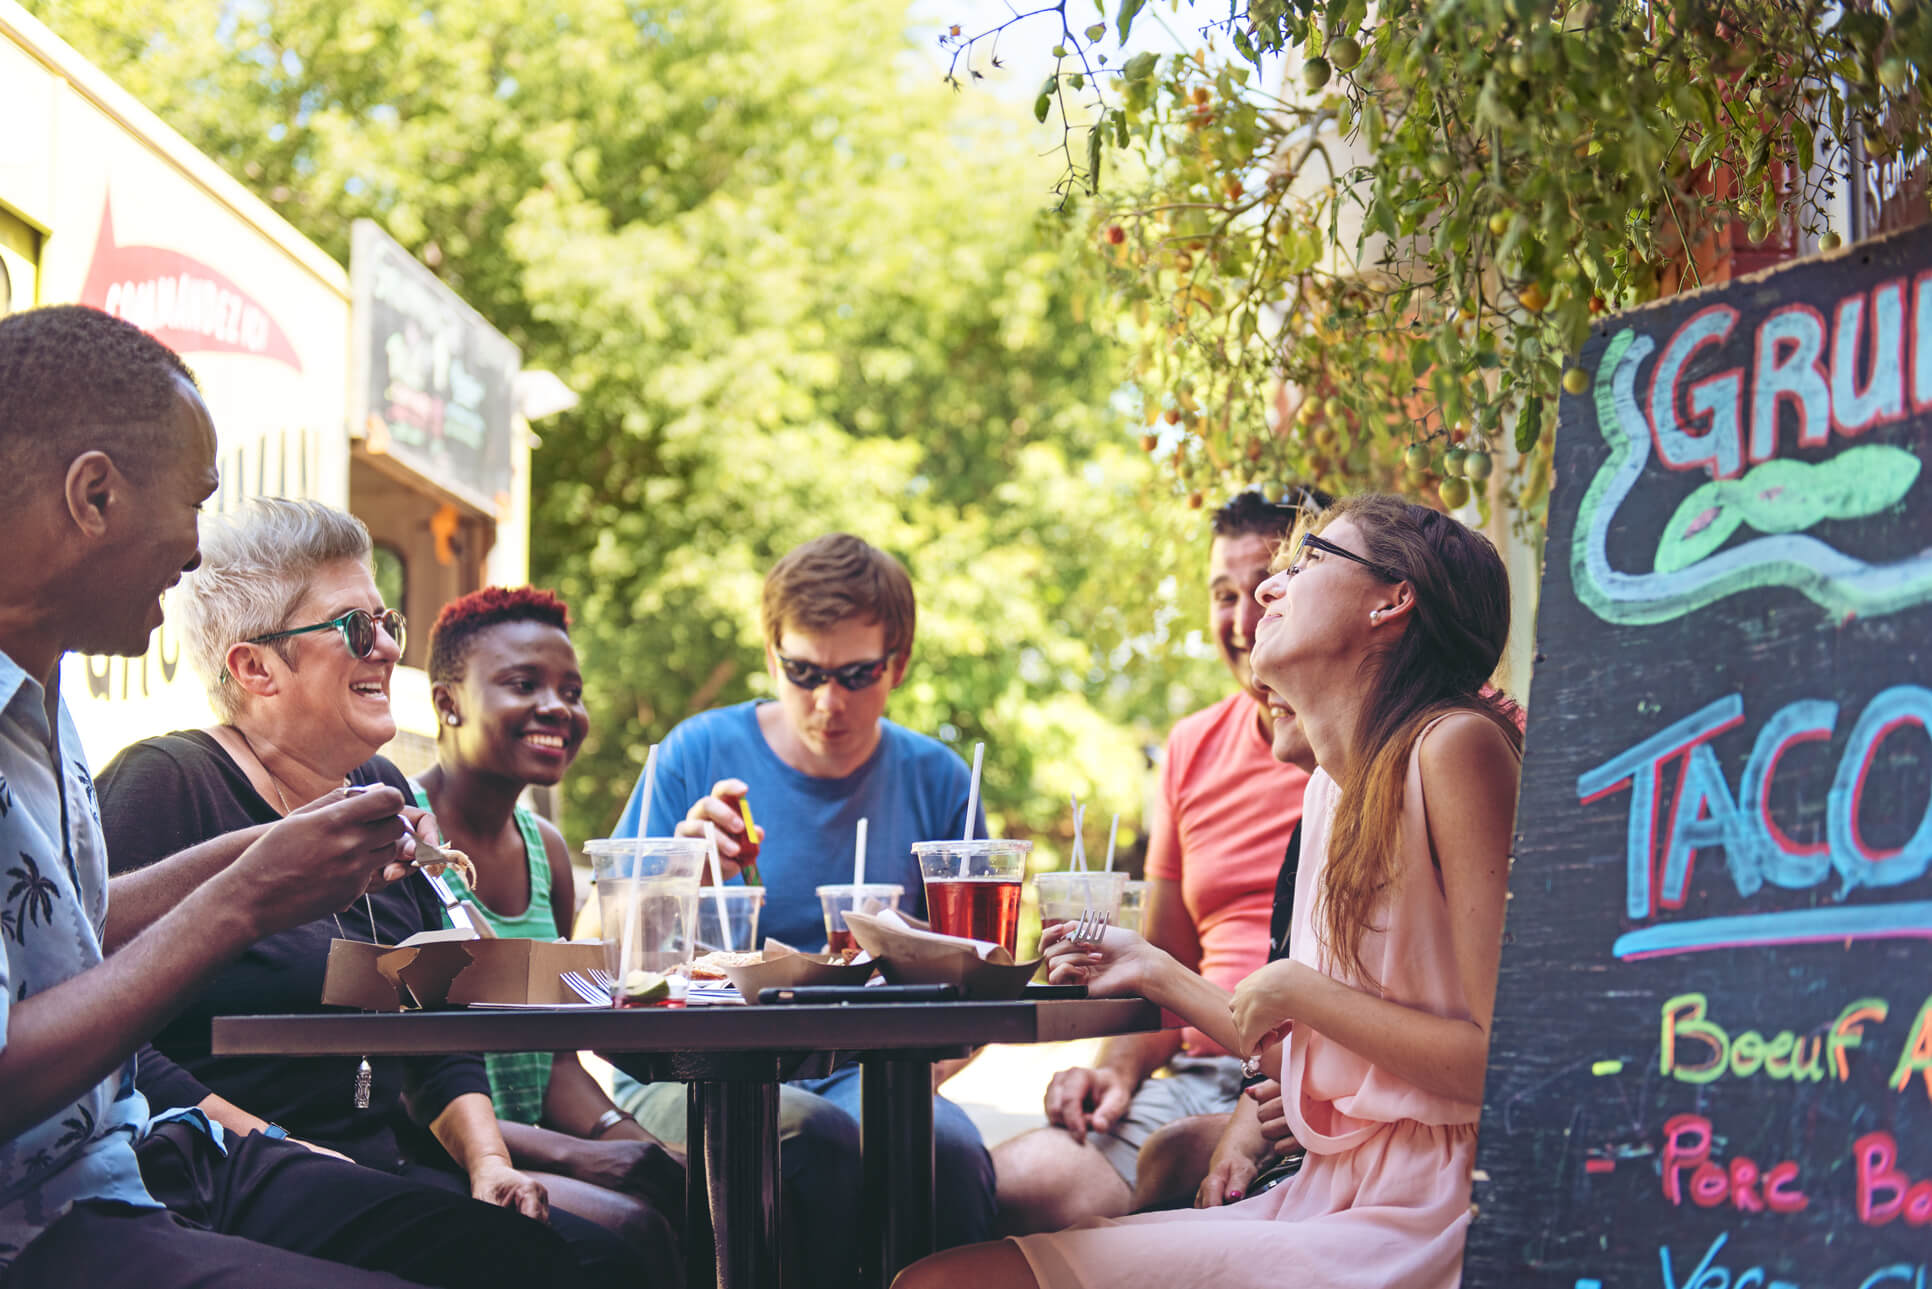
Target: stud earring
x=1375, y=618
x=451, y=718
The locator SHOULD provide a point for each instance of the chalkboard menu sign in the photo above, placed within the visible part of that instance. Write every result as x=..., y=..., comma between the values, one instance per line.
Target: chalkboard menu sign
x=1711, y=1065
x=431, y=383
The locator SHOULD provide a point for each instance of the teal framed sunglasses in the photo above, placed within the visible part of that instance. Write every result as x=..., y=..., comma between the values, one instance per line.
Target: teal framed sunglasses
x=358, y=628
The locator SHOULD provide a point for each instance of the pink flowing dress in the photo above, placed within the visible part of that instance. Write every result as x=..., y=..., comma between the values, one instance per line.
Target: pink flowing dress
x=1383, y=1199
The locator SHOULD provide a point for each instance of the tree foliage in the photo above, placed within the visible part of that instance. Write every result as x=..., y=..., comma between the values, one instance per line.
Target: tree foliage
x=1414, y=234
x=797, y=290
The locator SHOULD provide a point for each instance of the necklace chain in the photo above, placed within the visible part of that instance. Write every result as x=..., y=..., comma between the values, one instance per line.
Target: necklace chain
x=365, y=1074
x=276, y=783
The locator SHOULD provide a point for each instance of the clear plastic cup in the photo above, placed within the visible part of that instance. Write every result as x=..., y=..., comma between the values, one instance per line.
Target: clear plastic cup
x=741, y=908
x=1064, y=897
x=652, y=882
x=1133, y=907
x=867, y=897
x=973, y=887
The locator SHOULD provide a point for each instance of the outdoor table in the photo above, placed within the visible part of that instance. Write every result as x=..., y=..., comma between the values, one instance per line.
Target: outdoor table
x=733, y=1059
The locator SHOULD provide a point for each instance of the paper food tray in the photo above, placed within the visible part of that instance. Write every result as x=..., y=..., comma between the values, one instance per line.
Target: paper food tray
x=908, y=956
x=786, y=968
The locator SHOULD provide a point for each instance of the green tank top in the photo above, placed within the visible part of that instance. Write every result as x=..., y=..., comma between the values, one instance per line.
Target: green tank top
x=518, y=1080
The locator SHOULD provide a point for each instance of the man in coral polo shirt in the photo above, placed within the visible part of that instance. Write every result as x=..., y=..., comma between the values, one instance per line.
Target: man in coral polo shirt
x=1220, y=827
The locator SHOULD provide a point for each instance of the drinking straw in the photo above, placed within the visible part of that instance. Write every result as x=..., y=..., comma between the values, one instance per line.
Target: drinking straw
x=636, y=901
x=858, y=857
x=1079, y=847
x=972, y=796
x=1113, y=831
x=717, y=887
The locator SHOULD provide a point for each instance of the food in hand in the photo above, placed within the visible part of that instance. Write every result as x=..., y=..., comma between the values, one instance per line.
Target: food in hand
x=436, y=860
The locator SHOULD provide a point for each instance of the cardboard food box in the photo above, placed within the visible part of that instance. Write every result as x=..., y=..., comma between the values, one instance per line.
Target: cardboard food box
x=452, y=968
x=909, y=956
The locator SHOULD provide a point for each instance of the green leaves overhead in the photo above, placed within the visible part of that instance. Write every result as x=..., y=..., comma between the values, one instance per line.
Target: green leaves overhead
x=796, y=291
x=1407, y=232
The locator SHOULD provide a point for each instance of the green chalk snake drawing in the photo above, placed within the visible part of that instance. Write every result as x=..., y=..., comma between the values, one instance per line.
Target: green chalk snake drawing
x=1780, y=498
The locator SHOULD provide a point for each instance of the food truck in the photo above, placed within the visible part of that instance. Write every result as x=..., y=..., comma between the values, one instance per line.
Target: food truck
x=374, y=389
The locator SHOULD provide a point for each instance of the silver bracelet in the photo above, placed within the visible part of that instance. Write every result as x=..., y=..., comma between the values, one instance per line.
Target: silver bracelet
x=606, y=1121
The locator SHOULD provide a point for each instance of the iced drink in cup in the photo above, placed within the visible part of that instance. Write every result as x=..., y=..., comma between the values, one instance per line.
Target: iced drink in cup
x=1065, y=896
x=973, y=887
x=1133, y=907
x=866, y=897
x=653, y=881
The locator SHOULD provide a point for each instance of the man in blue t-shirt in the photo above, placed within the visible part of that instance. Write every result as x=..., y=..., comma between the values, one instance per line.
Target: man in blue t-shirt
x=838, y=617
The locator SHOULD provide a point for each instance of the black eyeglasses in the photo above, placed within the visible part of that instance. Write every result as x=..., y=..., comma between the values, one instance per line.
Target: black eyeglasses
x=1382, y=571
x=358, y=628
x=853, y=675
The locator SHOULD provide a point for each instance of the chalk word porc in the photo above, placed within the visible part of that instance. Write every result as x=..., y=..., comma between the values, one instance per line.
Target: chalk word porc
x=1793, y=362
x=1707, y=815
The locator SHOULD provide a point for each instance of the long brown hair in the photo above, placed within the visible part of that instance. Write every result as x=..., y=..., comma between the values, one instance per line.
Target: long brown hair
x=1440, y=664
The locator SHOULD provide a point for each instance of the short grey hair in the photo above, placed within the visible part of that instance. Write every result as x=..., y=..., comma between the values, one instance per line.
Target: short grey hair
x=256, y=565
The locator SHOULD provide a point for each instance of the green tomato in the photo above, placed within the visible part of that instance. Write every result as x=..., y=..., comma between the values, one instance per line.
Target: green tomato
x=1454, y=493
x=1416, y=458
x=1314, y=74
x=1476, y=466
x=1344, y=53
x=1453, y=461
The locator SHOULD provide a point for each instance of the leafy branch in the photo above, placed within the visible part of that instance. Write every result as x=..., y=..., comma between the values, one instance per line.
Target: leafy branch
x=1495, y=175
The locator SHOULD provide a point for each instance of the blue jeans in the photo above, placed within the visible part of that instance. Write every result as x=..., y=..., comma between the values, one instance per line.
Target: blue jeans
x=818, y=1153
x=962, y=1171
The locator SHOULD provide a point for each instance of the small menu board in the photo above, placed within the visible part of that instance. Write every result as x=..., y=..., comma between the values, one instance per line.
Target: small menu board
x=1711, y=1065
x=431, y=383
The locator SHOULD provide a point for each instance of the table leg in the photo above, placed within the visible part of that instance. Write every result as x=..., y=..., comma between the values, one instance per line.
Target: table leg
x=700, y=1250
x=896, y=1140
x=740, y=1126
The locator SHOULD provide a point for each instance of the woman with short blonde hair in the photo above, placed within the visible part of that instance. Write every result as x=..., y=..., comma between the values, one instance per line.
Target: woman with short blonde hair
x=296, y=648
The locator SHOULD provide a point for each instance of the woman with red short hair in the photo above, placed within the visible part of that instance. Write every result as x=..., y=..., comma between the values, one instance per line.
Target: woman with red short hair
x=510, y=714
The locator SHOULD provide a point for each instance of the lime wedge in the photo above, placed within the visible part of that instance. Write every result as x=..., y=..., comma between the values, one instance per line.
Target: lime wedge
x=646, y=987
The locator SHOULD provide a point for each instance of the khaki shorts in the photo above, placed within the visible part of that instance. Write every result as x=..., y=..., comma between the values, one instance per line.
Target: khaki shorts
x=1191, y=1085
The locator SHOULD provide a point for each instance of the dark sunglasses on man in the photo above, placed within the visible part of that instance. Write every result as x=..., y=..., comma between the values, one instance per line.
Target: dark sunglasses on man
x=853, y=675
x=358, y=628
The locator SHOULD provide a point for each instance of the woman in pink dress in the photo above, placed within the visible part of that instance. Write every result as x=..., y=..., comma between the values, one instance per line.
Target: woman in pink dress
x=1380, y=635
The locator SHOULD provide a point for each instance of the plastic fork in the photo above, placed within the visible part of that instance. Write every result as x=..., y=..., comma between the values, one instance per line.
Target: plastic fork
x=1092, y=924
x=585, y=988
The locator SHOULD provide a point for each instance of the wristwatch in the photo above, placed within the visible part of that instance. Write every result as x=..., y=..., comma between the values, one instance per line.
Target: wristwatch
x=606, y=1121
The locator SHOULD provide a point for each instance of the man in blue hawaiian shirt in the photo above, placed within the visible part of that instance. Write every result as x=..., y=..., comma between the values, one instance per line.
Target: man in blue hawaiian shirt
x=106, y=455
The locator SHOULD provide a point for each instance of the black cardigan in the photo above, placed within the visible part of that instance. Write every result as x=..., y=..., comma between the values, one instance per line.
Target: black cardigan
x=163, y=795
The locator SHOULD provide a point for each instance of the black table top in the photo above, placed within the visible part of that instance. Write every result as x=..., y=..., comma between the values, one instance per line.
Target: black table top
x=851, y=1027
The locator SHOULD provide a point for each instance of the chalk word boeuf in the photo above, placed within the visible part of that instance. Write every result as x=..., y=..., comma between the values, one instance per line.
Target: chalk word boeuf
x=1686, y=1033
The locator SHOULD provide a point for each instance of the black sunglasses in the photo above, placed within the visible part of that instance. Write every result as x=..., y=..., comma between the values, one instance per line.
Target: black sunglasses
x=1382, y=571
x=853, y=675
x=358, y=628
